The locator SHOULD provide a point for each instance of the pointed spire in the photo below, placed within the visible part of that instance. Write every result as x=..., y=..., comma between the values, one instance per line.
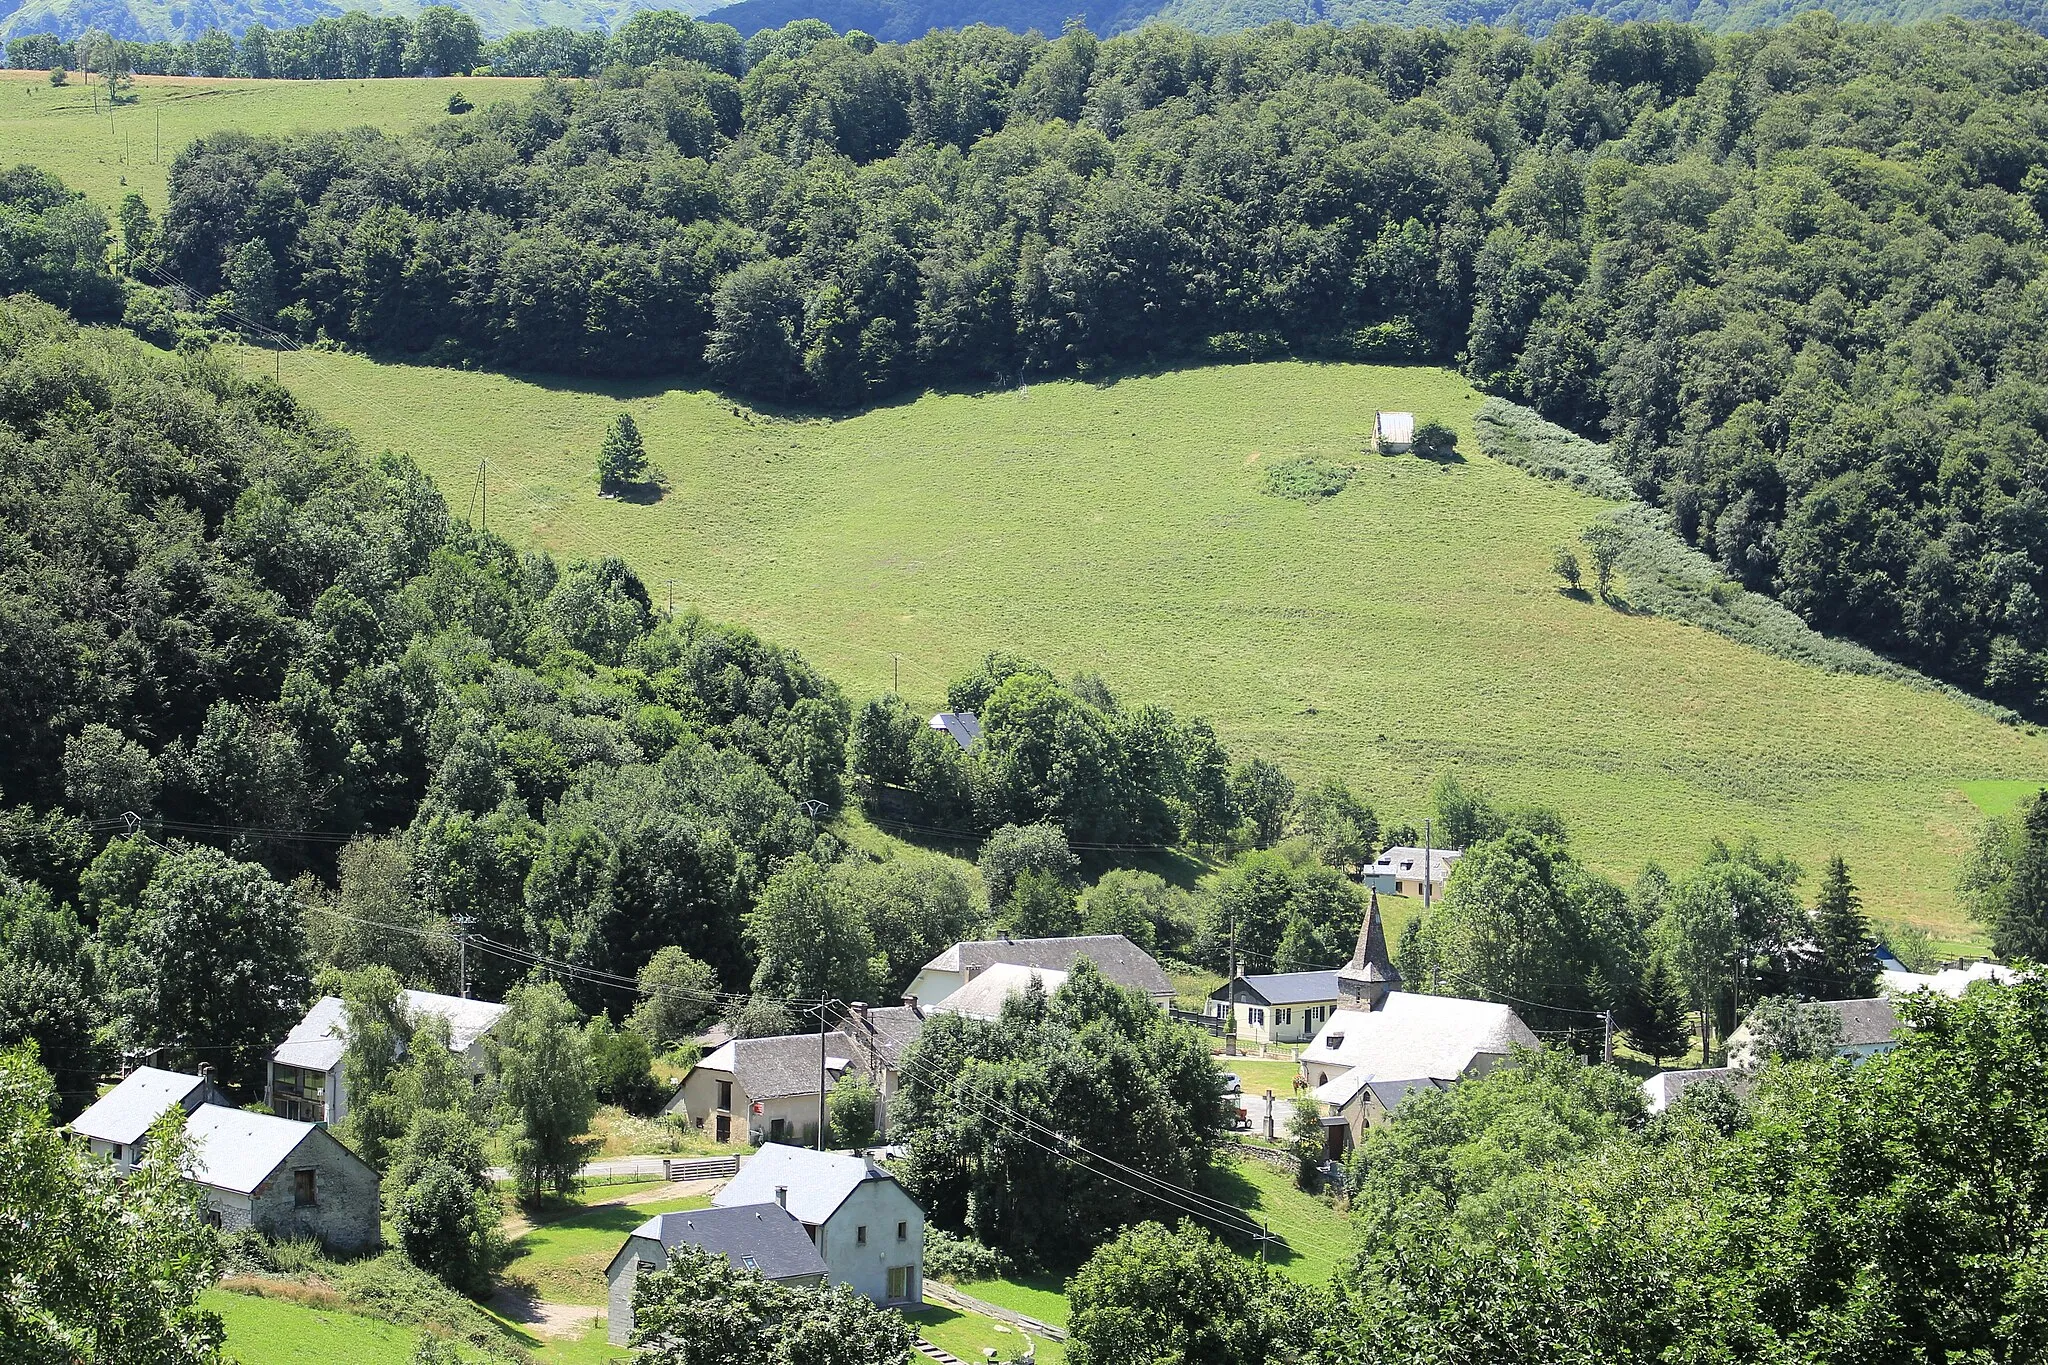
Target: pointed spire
x=1370, y=975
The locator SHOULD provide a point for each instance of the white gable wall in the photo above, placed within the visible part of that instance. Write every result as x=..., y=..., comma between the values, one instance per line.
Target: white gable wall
x=878, y=1205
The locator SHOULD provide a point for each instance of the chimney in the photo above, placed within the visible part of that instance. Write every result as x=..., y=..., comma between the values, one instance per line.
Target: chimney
x=910, y=1000
x=860, y=1010
x=782, y=1196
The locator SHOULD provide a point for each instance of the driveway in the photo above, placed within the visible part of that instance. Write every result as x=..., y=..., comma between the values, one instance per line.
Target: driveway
x=1254, y=1107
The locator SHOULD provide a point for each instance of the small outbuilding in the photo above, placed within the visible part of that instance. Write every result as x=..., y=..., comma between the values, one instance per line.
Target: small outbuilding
x=116, y=1123
x=284, y=1178
x=763, y=1238
x=1393, y=433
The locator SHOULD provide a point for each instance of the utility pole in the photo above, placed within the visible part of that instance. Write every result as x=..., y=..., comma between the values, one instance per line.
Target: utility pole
x=159, y=137
x=1428, y=862
x=483, y=473
x=821, y=1078
x=896, y=674
x=671, y=599
x=1607, y=1041
x=462, y=923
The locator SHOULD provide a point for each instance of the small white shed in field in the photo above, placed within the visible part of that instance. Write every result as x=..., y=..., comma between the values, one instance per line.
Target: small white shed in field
x=1393, y=433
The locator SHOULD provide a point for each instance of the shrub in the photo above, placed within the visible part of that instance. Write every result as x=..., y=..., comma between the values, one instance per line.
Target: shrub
x=1434, y=440
x=1306, y=478
x=850, y=1112
x=950, y=1257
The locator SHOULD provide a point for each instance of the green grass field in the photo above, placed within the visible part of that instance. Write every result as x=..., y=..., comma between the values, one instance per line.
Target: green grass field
x=1317, y=1236
x=565, y=1260
x=966, y=1335
x=1404, y=628
x=1997, y=798
x=276, y=1332
x=109, y=155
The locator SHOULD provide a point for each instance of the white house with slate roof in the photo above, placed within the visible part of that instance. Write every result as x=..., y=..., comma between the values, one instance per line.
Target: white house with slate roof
x=764, y=1238
x=983, y=997
x=1402, y=871
x=115, y=1124
x=1868, y=1028
x=1280, y=1007
x=1120, y=960
x=305, y=1081
x=1383, y=1043
x=869, y=1232
x=284, y=1178
x=761, y=1089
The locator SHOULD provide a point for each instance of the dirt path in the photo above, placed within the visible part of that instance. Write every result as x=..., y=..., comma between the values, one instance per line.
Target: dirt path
x=543, y=1318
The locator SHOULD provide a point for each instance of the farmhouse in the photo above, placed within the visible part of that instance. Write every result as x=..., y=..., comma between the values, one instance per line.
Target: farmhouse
x=305, y=1072
x=284, y=1178
x=1383, y=1043
x=983, y=997
x=1402, y=871
x=1895, y=979
x=1283, y=1007
x=1123, y=962
x=869, y=1232
x=115, y=1124
x=1868, y=1028
x=761, y=1089
x=764, y=1238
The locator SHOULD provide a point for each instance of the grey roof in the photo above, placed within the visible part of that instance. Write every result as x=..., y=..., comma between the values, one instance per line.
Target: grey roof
x=759, y=1237
x=983, y=997
x=1369, y=961
x=233, y=1149
x=1403, y=861
x=1864, y=1022
x=1666, y=1086
x=893, y=1029
x=1119, y=959
x=1412, y=1035
x=772, y=1068
x=1282, y=988
x=963, y=727
x=124, y=1114
x=1391, y=1093
x=317, y=1040
x=817, y=1182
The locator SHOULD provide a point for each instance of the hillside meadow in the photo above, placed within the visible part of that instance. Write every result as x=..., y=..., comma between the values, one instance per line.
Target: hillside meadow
x=1406, y=627
x=109, y=154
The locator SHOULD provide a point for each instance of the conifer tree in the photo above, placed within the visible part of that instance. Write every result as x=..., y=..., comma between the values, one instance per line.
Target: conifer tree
x=2020, y=926
x=622, y=459
x=1848, y=953
x=1661, y=1023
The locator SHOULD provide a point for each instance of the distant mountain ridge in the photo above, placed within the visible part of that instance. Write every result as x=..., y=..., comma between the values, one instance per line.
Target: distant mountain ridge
x=905, y=20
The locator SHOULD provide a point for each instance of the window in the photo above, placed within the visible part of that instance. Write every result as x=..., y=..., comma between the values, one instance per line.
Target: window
x=1334, y=1041
x=1256, y=1015
x=643, y=1267
x=860, y=1235
x=903, y=1232
x=1283, y=1016
x=117, y=1151
x=750, y=1263
x=304, y=1194
x=725, y=1094
x=899, y=1283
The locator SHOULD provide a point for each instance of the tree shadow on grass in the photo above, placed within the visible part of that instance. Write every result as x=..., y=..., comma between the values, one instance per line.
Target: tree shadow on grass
x=1229, y=1185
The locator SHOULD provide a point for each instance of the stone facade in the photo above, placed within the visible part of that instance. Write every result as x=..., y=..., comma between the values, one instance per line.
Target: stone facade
x=342, y=1215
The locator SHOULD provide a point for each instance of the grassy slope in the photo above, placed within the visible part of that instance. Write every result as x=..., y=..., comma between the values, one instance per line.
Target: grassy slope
x=108, y=157
x=1402, y=629
x=565, y=1260
x=275, y=1332
x=1996, y=798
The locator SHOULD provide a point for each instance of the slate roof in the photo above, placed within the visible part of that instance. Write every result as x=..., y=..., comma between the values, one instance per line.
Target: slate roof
x=317, y=1040
x=962, y=726
x=1119, y=959
x=893, y=1029
x=233, y=1149
x=1666, y=1086
x=774, y=1068
x=1397, y=427
x=761, y=1237
x=1412, y=1036
x=1369, y=965
x=817, y=1182
x=1281, y=988
x=1864, y=1022
x=124, y=1114
x=983, y=997
x=1404, y=861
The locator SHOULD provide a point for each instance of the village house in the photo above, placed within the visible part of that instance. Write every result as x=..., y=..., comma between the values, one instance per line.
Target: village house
x=961, y=727
x=1868, y=1028
x=1894, y=978
x=866, y=1228
x=115, y=1124
x=1120, y=961
x=1282, y=1007
x=764, y=1238
x=1662, y=1090
x=305, y=1081
x=1383, y=1043
x=1403, y=871
x=759, y=1090
x=983, y=997
x=286, y=1179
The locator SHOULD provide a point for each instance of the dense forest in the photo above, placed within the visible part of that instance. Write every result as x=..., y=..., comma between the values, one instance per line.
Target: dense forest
x=1797, y=277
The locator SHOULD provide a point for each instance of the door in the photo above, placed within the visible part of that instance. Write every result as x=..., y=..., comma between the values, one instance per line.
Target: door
x=724, y=1128
x=777, y=1128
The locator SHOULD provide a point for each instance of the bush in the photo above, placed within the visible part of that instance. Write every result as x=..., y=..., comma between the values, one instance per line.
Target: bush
x=1435, y=441
x=949, y=1257
x=1306, y=479
x=850, y=1112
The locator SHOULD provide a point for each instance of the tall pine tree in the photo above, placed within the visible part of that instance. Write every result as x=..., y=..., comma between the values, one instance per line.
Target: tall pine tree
x=2020, y=926
x=1847, y=969
x=1660, y=1022
x=622, y=459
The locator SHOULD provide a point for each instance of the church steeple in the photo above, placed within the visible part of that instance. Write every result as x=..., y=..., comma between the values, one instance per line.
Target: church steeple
x=1369, y=977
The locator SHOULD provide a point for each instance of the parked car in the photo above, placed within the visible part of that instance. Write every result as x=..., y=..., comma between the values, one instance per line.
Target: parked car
x=1231, y=1084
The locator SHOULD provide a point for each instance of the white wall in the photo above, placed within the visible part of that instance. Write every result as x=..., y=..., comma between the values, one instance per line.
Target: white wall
x=880, y=1205
x=931, y=987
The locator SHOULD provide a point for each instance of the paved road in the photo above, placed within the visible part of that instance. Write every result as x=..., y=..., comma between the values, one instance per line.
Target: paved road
x=1254, y=1107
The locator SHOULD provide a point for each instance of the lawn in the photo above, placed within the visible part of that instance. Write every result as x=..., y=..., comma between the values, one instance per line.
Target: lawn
x=276, y=1332
x=1317, y=1236
x=1407, y=627
x=108, y=156
x=564, y=1259
x=1997, y=798
x=967, y=1334
x=1035, y=1296
x=1259, y=1074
